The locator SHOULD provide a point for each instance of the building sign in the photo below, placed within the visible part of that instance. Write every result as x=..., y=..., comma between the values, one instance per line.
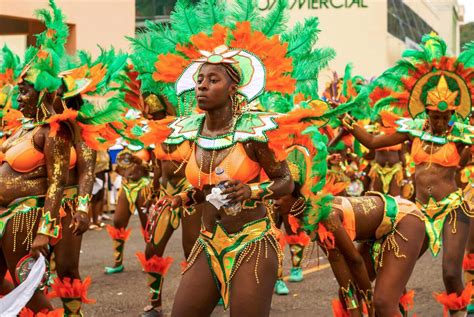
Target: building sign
x=314, y=4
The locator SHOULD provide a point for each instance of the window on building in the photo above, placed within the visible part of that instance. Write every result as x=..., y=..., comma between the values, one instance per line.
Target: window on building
x=404, y=23
x=157, y=11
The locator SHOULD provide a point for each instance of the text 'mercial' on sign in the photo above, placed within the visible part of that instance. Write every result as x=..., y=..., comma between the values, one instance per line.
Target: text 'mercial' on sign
x=315, y=4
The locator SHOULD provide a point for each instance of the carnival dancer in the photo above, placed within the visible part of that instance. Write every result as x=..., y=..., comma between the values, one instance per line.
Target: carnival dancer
x=35, y=166
x=346, y=161
x=436, y=91
x=391, y=243
x=389, y=172
x=237, y=249
x=8, y=114
x=168, y=180
x=466, y=181
x=38, y=155
x=87, y=79
x=99, y=190
x=75, y=221
x=133, y=164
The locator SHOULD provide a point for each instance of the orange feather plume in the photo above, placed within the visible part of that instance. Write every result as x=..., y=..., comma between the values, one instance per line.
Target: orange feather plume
x=54, y=120
x=71, y=288
x=121, y=234
x=169, y=67
x=155, y=264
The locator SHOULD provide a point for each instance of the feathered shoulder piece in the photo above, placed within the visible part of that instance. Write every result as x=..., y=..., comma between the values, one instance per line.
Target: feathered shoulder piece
x=459, y=132
x=249, y=126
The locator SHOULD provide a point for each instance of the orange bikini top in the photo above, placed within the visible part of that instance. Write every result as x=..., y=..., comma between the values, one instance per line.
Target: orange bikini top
x=23, y=157
x=447, y=155
x=237, y=165
x=180, y=154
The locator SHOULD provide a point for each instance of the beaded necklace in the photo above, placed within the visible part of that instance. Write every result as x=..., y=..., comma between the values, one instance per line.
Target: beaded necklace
x=214, y=148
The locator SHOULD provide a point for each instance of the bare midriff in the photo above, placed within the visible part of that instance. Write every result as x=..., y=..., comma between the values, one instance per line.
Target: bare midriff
x=17, y=185
x=389, y=158
x=434, y=180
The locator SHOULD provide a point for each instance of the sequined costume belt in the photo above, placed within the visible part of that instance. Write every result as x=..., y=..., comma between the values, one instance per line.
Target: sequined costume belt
x=132, y=189
x=386, y=174
x=24, y=213
x=435, y=213
x=226, y=252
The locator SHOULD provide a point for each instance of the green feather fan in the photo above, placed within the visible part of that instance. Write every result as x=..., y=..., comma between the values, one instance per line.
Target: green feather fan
x=184, y=20
x=467, y=55
x=244, y=10
x=276, y=20
x=210, y=12
x=302, y=37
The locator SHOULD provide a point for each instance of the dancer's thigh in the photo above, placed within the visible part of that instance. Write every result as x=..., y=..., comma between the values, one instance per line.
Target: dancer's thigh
x=247, y=297
x=197, y=293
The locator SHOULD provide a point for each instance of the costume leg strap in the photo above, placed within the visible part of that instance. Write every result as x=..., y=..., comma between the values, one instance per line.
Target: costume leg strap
x=453, y=302
x=297, y=245
x=119, y=237
x=156, y=268
x=350, y=297
x=406, y=302
x=58, y=312
x=468, y=267
x=73, y=292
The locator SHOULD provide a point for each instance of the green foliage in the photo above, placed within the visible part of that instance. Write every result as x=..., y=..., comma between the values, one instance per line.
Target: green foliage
x=467, y=33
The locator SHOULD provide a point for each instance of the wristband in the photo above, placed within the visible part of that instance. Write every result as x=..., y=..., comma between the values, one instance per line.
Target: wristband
x=83, y=203
x=260, y=191
x=47, y=225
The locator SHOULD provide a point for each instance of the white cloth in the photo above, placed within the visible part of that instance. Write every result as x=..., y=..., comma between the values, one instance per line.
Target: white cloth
x=98, y=185
x=216, y=198
x=13, y=302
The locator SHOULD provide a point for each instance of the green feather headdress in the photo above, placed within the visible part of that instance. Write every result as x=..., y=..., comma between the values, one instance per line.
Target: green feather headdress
x=414, y=79
x=8, y=77
x=190, y=22
x=43, y=68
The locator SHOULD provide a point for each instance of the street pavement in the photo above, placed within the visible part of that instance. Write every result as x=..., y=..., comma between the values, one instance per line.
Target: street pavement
x=125, y=294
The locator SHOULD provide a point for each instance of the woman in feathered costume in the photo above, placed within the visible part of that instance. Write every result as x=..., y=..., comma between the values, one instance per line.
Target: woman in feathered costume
x=168, y=177
x=345, y=156
x=35, y=165
x=42, y=154
x=86, y=78
x=222, y=62
x=437, y=91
